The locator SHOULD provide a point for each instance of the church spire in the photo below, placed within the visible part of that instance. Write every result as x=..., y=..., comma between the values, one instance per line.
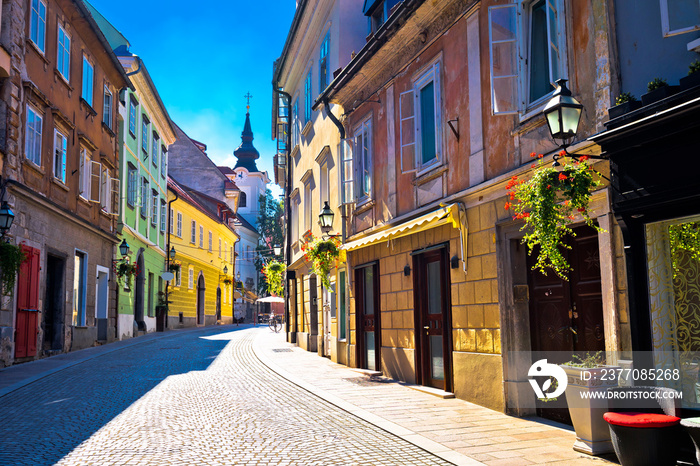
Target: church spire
x=246, y=153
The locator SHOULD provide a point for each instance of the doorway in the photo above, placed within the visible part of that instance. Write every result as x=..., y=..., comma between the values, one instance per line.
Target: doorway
x=200, y=300
x=140, y=293
x=54, y=303
x=433, y=326
x=566, y=317
x=313, y=313
x=328, y=315
x=102, y=302
x=368, y=317
x=218, y=303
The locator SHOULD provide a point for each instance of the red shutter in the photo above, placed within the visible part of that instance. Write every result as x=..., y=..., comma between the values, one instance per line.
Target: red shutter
x=21, y=335
x=32, y=332
x=27, y=298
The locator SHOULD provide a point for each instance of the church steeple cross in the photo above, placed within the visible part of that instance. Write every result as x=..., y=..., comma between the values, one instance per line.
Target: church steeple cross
x=248, y=97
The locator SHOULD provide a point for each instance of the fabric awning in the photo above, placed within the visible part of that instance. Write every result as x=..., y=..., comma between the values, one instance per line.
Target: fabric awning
x=453, y=214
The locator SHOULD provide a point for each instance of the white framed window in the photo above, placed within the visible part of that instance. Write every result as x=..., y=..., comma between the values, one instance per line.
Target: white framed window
x=79, y=289
x=226, y=251
x=32, y=142
x=60, y=150
x=323, y=63
x=420, y=129
x=104, y=190
x=295, y=220
x=295, y=123
x=178, y=277
x=308, y=201
x=363, y=159
x=156, y=146
x=132, y=116
x=172, y=221
x=144, y=197
x=179, y=225
x=347, y=172
x=190, y=278
x=132, y=186
x=88, y=81
x=219, y=248
x=163, y=161
x=193, y=232
x=201, y=236
x=37, y=24
x=162, y=215
x=308, y=99
x=110, y=193
x=154, y=207
x=679, y=16
x=324, y=191
x=90, y=181
x=63, y=54
x=211, y=242
x=144, y=135
x=527, y=54
x=107, y=108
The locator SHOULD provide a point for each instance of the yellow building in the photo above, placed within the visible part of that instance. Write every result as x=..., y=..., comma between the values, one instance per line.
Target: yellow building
x=202, y=234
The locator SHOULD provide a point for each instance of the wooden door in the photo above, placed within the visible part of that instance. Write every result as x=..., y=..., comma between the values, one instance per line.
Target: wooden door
x=566, y=317
x=26, y=326
x=433, y=326
x=368, y=317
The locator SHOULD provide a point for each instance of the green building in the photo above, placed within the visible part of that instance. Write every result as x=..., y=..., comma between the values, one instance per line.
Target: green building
x=144, y=133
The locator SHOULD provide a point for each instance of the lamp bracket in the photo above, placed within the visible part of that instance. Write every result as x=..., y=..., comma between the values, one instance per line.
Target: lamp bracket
x=455, y=131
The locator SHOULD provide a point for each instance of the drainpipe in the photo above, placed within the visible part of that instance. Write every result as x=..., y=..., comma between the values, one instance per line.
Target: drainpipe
x=287, y=211
x=167, y=256
x=341, y=130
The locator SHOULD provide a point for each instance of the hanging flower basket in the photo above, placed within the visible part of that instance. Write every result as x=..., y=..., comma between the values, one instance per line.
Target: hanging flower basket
x=323, y=255
x=274, y=275
x=547, y=203
x=227, y=281
x=11, y=258
x=125, y=273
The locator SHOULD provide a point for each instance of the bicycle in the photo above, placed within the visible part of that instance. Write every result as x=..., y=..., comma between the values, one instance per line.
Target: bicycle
x=275, y=323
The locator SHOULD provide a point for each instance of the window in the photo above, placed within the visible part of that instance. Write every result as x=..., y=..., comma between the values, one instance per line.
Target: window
x=679, y=16
x=171, y=225
x=132, y=117
x=295, y=123
x=295, y=220
x=32, y=143
x=226, y=251
x=193, y=232
x=308, y=100
x=90, y=181
x=88, y=80
x=363, y=148
x=341, y=305
x=178, y=276
x=308, y=201
x=347, y=170
x=37, y=24
x=132, y=186
x=162, y=216
x=60, y=149
x=154, y=207
x=163, y=160
x=190, y=278
x=242, y=200
x=79, y=289
x=377, y=13
x=219, y=248
x=525, y=65
x=144, y=197
x=156, y=145
x=420, y=127
x=107, y=187
x=325, y=190
x=107, y=108
x=63, y=58
x=211, y=242
x=179, y=225
x=323, y=64
x=144, y=136
x=201, y=236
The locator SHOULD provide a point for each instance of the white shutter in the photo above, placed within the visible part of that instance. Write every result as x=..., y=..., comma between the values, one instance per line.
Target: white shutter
x=554, y=41
x=407, y=131
x=105, y=190
x=114, y=184
x=503, y=44
x=95, y=180
x=83, y=174
x=679, y=16
x=347, y=168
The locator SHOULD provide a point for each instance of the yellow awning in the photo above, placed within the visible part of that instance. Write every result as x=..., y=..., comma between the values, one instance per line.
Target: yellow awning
x=453, y=214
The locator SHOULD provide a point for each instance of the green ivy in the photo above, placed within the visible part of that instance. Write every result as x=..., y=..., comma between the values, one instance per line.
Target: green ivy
x=684, y=237
x=11, y=258
x=547, y=203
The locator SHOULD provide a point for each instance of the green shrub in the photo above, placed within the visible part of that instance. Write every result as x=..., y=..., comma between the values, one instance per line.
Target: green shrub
x=656, y=83
x=624, y=98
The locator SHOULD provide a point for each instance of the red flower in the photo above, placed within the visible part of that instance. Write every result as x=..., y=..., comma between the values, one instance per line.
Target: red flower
x=512, y=196
x=581, y=209
x=583, y=158
x=533, y=155
x=562, y=177
x=525, y=215
x=562, y=153
x=549, y=186
x=507, y=205
x=540, y=156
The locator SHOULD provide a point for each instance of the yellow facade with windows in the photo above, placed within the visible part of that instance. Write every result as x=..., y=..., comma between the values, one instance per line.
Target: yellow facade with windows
x=201, y=293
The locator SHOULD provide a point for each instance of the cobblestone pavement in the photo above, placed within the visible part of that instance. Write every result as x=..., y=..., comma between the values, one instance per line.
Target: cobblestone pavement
x=199, y=397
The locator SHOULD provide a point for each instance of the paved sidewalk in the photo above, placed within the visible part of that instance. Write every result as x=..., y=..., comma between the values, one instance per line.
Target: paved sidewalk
x=455, y=430
x=19, y=375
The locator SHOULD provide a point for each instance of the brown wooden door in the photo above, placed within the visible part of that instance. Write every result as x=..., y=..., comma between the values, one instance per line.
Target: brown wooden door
x=432, y=320
x=566, y=317
x=368, y=320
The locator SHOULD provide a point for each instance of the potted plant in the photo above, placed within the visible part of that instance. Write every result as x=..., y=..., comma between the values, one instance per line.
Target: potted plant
x=274, y=274
x=693, y=78
x=625, y=103
x=585, y=376
x=11, y=258
x=658, y=89
x=125, y=273
x=548, y=202
x=322, y=253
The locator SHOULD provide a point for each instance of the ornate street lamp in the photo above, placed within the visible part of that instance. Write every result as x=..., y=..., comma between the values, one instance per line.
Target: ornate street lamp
x=563, y=114
x=172, y=253
x=6, y=218
x=325, y=218
x=277, y=249
x=225, y=270
x=124, y=248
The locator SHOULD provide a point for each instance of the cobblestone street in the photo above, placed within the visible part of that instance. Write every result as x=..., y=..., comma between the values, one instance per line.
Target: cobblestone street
x=196, y=397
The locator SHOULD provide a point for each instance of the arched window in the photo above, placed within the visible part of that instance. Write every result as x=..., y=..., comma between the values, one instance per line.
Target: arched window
x=242, y=200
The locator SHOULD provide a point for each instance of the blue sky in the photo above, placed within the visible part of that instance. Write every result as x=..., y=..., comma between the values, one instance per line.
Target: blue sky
x=204, y=59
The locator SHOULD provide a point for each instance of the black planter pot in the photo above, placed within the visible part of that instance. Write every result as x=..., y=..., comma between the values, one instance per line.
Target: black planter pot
x=621, y=109
x=658, y=94
x=690, y=81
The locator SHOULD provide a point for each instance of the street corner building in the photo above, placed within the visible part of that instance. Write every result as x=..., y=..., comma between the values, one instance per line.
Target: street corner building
x=60, y=170
x=410, y=118
x=202, y=234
